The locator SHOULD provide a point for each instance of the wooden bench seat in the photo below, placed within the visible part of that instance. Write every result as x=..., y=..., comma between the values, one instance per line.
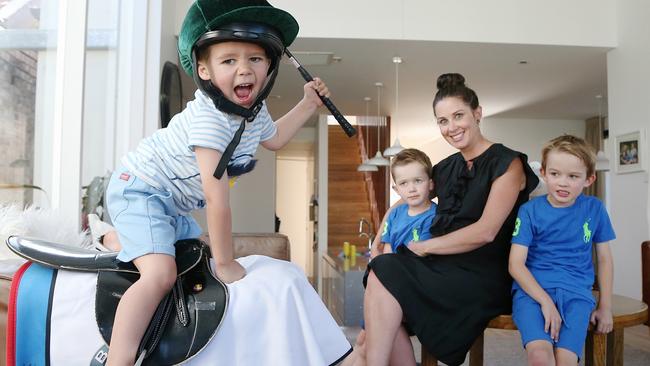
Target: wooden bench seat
x=600, y=349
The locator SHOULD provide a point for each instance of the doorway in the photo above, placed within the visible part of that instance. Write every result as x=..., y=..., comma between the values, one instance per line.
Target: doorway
x=294, y=192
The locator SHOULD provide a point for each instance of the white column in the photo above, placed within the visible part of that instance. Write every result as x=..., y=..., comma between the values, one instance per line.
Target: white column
x=138, y=83
x=153, y=66
x=323, y=138
x=132, y=60
x=68, y=109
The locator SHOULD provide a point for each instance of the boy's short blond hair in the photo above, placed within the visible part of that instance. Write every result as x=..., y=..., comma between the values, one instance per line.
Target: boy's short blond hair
x=571, y=145
x=408, y=156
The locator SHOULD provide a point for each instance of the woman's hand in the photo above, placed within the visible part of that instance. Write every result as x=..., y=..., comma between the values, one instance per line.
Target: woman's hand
x=552, y=319
x=376, y=249
x=603, y=320
x=230, y=272
x=419, y=248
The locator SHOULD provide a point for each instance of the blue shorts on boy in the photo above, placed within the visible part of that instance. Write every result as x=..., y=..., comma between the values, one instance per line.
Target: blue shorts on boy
x=147, y=218
x=150, y=199
x=574, y=309
x=401, y=228
x=559, y=241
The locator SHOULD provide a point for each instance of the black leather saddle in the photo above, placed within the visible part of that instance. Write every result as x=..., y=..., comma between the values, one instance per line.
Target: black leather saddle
x=185, y=320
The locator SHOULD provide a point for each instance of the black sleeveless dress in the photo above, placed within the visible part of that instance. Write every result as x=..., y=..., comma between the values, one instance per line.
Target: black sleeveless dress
x=448, y=300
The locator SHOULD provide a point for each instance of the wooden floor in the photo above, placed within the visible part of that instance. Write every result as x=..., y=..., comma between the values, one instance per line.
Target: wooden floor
x=503, y=347
x=638, y=337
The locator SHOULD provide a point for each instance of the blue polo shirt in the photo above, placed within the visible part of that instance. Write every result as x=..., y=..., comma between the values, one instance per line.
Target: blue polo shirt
x=560, y=239
x=401, y=228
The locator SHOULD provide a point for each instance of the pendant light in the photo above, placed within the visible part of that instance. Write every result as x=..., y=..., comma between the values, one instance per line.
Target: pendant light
x=396, y=148
x=365, y=167
x=602, y=162
x=378, y=159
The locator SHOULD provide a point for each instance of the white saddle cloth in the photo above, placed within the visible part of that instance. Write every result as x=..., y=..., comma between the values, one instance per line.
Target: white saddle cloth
x=274, y=317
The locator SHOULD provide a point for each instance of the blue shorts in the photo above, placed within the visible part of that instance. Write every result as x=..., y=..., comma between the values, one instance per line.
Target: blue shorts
x=574, y=309
x=146, y=219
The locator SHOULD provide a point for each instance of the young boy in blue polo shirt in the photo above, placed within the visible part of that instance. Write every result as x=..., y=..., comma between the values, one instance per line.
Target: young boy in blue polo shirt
x=551, y=258
x=406, y=223
x=409, y=222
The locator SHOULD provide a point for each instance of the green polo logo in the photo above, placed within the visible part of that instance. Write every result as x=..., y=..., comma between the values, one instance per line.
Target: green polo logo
x=385, y=228
x=517, y=225
x=587, y=232
x=416, y=237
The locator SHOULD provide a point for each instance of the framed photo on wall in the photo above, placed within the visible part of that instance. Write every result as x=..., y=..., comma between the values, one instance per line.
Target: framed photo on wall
x=630, y=150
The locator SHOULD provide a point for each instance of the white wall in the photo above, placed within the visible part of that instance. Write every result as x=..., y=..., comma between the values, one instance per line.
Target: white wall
x=294, y=188
x=557, y=22
x=528, y=135
x=525, y=135
x=252, y=200
x=169, y=44
x=628, y=78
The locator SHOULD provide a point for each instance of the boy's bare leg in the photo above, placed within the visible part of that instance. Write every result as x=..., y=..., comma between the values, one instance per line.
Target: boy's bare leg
x=402, y=353
x=564, y=357
x=111, y=241
x=103, y=234
x=540, y=353
x=139, y=302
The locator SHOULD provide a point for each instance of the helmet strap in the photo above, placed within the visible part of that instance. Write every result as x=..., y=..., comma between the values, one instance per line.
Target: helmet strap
x=230, y=149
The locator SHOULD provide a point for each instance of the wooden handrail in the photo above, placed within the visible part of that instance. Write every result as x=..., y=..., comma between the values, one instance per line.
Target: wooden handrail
x=370, y=187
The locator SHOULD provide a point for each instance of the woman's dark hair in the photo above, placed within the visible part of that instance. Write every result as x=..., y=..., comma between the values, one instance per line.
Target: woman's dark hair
x=453, y=85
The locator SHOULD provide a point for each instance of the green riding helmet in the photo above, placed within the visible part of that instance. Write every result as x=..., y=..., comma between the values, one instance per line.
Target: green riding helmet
x=211, y=21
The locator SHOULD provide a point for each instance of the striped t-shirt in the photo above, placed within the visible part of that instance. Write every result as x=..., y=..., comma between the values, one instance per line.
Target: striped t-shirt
x=166, y=159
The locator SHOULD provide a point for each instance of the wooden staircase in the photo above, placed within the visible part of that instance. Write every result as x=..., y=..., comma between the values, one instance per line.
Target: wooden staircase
x=348, y=200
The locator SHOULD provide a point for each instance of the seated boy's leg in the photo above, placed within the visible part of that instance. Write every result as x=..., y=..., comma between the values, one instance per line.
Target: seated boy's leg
x=576, y=312
x=137, y=305
x=111, y=241
x=527, y=315
x=540, y=353
x=565, y=357
x=103, y=234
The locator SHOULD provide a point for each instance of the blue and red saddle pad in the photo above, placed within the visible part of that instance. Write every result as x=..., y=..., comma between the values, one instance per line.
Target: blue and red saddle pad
x=51, y=318
x=28, y=315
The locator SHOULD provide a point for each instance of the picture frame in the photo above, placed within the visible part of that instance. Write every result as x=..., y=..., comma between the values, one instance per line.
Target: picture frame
x=630, y=152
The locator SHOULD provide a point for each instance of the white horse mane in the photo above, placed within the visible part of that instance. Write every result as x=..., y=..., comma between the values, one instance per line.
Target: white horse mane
x=46, y=224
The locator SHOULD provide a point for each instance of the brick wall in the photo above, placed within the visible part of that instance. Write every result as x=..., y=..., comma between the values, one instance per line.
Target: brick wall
x=17, y=101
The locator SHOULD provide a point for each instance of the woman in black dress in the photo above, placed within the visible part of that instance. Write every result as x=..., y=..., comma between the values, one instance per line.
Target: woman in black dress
x=446, y=289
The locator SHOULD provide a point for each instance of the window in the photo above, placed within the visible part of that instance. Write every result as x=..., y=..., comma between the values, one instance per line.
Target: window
x=27, y=63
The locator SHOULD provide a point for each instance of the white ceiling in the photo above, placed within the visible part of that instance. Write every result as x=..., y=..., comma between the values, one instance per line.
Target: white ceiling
x=558, y=82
